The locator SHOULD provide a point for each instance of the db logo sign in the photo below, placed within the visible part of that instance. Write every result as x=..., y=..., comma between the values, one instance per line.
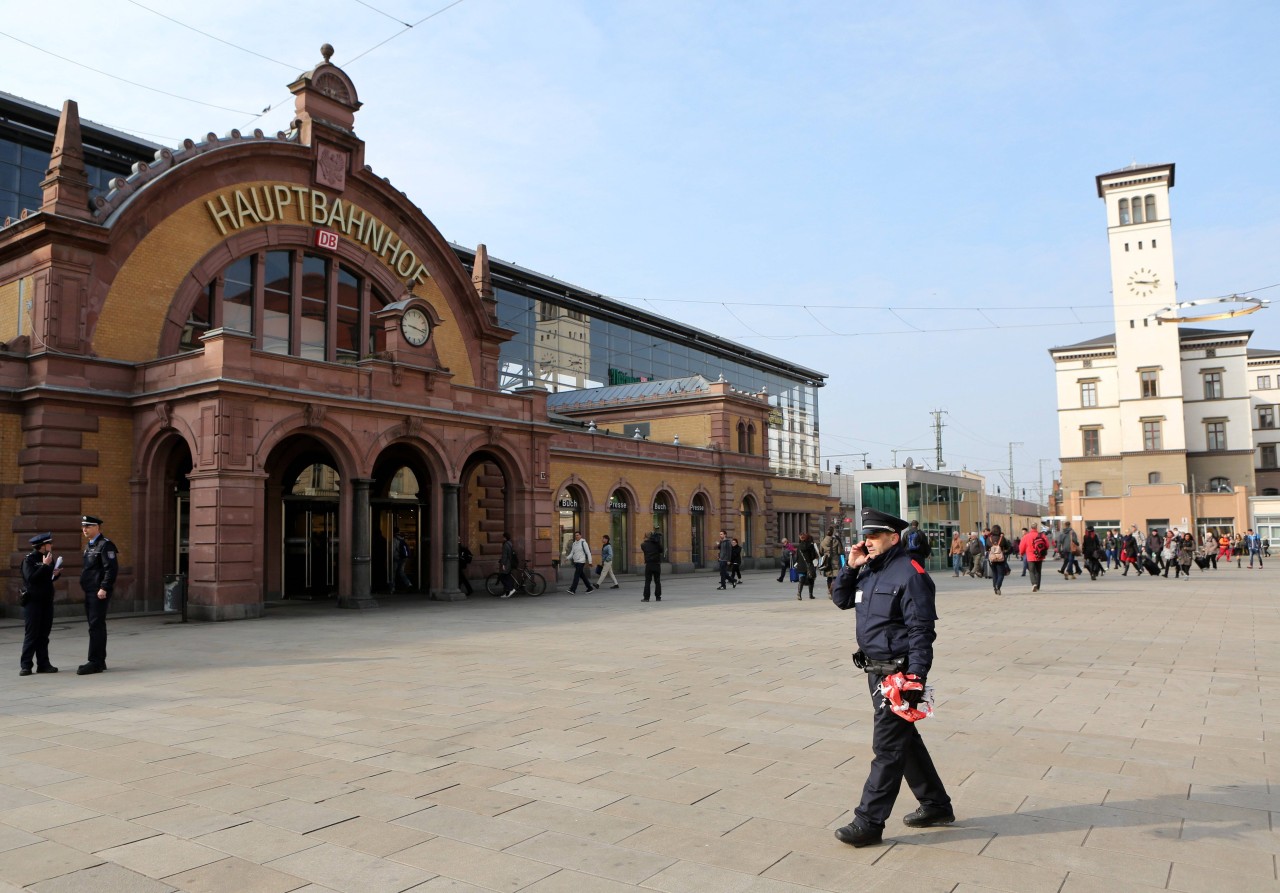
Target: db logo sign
x=327, y=239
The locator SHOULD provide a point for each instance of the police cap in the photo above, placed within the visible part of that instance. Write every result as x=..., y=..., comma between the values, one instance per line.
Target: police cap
x=41, y=538
x=875, y=521
x=90, y=519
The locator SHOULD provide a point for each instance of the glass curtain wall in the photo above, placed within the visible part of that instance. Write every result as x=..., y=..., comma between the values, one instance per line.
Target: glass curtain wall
x=563, y=348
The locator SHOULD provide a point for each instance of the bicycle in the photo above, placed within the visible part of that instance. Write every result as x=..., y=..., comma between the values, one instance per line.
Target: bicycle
x=528, y=582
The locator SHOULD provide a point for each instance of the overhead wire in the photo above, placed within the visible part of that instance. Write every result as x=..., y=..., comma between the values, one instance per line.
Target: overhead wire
x=117, y=77
x=213, y=36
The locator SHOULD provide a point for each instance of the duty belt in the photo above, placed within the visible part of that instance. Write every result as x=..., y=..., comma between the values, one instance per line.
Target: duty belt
x=880, y=667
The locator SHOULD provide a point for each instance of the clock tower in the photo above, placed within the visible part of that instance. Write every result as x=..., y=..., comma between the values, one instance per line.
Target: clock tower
x=1148, y=354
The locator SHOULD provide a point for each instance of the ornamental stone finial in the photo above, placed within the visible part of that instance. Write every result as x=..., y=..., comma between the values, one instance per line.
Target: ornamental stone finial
x=326, y=50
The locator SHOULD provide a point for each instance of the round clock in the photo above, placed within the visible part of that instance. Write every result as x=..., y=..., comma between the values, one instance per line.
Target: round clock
x=415, y=326
x=1143, y=282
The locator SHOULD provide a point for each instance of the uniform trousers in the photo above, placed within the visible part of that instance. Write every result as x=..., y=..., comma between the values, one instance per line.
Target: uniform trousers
x=95, y=611
x=899, y=753
x=37, y=621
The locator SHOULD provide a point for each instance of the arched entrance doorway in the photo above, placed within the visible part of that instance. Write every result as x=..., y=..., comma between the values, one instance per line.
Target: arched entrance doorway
x=698, y=530
x=620, y=529
x=571, y=506
x=303, y=509
x=398, y=502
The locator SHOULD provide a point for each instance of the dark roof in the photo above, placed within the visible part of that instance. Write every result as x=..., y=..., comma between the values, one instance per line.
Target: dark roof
x=1134, y=168
x=1185, y=333
x=639, y=390
x=1108, y=340
x=1260, y=352
x=32, y=117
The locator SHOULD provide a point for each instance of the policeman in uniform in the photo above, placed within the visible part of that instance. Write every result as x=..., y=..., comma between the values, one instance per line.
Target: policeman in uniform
x=893, y=600
x=38, y=574
x=97, y=580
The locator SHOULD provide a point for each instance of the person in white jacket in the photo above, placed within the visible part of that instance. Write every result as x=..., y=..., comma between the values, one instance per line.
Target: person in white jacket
x=580, y=555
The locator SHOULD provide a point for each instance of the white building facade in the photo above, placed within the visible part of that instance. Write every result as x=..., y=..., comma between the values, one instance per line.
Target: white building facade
x=1157, y=420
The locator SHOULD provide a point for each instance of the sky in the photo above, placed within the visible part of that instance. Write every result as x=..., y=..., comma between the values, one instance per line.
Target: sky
x=900, y=195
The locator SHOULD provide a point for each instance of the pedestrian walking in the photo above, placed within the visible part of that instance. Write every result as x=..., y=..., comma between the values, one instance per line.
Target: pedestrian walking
x=998, y=549
x=580, y=555
x=1034, y=548
x=893, y=600
x=724, y=555
x=806, y=565
x=788, y=554
x=606, y=563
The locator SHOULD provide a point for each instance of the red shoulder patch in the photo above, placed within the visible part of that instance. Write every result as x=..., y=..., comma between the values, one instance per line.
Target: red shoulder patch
x=916, y=565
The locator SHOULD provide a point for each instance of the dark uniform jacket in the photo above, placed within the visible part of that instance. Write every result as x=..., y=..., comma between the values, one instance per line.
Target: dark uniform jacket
x=652, y=550
x=100, y=566
x=893, y=599
x=38, y=578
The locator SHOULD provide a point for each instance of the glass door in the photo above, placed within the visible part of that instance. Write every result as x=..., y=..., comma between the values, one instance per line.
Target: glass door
x=310, y=549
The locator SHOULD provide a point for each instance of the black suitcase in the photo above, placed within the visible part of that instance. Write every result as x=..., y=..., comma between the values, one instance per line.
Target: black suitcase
x=1202, y=562
x=1151, y=567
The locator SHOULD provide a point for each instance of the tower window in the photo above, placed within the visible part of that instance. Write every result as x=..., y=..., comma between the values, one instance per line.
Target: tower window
x=1151, y=211
x=1137, y=211
x=1150, y=382
x=1124, y=212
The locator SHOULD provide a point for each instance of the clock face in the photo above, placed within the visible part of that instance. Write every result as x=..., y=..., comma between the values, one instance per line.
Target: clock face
x=1143, y=282
x=415, y=326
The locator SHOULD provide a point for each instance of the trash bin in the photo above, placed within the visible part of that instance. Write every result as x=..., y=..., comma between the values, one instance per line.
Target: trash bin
x=175, y=595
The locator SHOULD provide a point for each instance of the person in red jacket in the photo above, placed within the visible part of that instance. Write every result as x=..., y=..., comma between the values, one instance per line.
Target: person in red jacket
x=1034, y=547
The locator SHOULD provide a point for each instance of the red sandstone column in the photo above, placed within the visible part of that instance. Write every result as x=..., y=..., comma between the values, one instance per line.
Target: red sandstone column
x=227, y=546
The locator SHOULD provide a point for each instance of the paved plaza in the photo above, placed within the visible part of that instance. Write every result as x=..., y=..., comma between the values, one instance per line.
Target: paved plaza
x=1095, y=737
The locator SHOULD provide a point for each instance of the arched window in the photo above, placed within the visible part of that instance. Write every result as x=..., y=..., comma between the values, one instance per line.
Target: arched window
x=742, y=437
x=294, y=303
x=1151, y=211
x=1124, y=212
x=1137, y=211
x=751, y=439
x=1153, y=477
x=1093, y=488
x=1219, y=485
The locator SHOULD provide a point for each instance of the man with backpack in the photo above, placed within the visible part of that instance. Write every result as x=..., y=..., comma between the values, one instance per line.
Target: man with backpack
x=1034, y=547
x=918, y=546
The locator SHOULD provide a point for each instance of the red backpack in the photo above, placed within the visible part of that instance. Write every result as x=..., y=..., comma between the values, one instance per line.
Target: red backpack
x=1039, y=547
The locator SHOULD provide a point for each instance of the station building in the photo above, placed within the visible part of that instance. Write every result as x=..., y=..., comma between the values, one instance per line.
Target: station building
x=257, y=360
x=1164, y=424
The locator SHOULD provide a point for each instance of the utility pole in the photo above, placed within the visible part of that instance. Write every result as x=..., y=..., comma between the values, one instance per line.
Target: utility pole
x=895, y=458
x=1042, y=502
x=939, y=464
x=1013, y=491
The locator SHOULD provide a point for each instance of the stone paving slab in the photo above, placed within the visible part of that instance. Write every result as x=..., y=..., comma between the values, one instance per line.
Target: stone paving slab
x=1095, y=736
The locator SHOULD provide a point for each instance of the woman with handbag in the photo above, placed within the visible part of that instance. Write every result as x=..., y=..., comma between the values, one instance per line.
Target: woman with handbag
x=998, y=549
x=806, y=565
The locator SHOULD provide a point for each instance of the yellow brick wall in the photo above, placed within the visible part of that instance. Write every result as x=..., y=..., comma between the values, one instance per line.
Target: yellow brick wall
x=134, y=312
x=694, y=430
x=114, y=505
x=10, y=475
x=9, y=307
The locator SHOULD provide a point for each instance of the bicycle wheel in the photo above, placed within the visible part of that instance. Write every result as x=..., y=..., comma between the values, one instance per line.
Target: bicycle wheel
x=493, y=583
x=535, y=583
